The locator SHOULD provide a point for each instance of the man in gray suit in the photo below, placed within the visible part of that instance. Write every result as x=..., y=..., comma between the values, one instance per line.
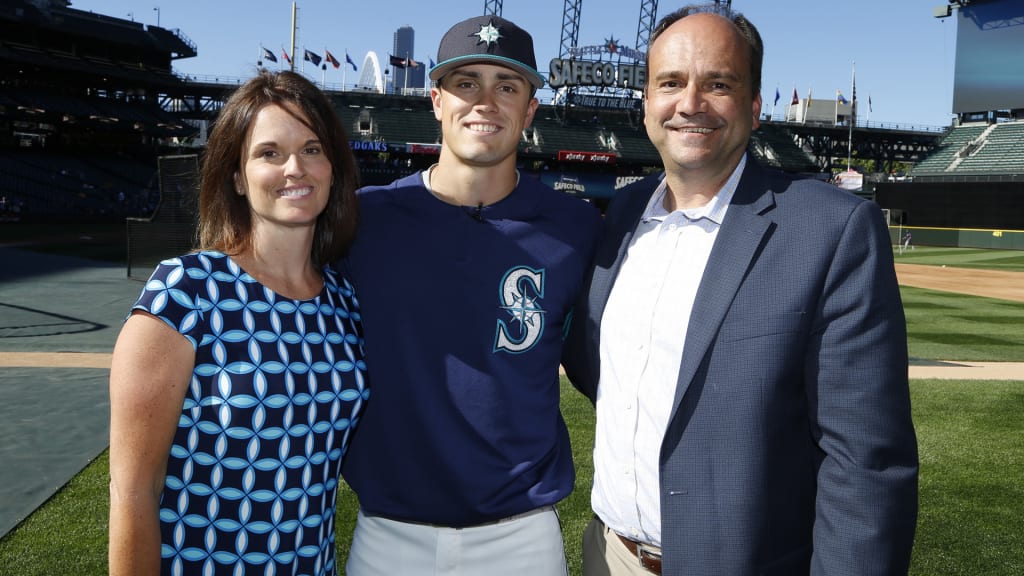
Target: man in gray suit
x=743, y=338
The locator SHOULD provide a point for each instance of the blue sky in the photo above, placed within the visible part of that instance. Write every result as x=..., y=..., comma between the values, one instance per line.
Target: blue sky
x=904, y=56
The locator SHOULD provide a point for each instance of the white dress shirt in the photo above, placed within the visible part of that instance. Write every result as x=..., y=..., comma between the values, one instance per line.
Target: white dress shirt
x=642, y=334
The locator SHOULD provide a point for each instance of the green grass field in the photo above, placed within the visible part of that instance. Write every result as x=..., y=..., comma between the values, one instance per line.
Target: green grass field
x=972, y=466
x=948, y=326
x=971, y=498
x=972, y=456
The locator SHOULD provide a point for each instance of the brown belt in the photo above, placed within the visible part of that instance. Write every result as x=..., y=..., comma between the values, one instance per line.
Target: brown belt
x=649, y=560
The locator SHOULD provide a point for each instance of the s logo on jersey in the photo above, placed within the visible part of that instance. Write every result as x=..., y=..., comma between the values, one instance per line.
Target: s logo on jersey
x=520, y=290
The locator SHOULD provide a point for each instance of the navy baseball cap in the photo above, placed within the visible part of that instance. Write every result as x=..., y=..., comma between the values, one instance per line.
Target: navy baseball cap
x=487, y=40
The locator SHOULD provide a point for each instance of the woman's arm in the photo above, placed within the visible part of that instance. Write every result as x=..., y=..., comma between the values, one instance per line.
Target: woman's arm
x=150, y=371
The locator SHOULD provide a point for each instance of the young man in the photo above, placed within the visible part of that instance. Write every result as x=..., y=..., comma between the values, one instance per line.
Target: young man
x=466, y=274
x=743, y=337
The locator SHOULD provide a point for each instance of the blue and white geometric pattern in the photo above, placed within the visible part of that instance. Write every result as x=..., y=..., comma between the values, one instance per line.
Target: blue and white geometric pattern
x=276, y=392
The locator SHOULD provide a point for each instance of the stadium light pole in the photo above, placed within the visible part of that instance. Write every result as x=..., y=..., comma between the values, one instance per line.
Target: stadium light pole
x=157, y=9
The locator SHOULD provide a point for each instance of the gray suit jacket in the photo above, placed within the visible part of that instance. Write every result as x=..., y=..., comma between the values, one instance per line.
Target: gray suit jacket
x=790, y=447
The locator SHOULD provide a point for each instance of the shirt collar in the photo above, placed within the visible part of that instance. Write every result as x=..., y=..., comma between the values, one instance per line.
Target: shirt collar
x=714, y=210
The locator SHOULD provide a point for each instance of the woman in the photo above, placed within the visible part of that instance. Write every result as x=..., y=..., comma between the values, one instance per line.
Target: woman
x=238, y=376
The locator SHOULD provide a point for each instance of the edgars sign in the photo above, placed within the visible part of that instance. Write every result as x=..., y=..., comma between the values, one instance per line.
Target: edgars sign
x=368, y=146
x=573, y=72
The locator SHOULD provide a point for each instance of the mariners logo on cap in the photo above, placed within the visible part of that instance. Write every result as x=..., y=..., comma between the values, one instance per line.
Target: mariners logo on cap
x=488, y=34
x=487, y=39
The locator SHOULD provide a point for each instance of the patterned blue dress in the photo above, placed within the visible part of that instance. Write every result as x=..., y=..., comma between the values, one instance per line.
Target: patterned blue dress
x=276, y=392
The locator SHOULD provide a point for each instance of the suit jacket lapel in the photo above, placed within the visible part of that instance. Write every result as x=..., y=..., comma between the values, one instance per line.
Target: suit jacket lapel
x=742, y=232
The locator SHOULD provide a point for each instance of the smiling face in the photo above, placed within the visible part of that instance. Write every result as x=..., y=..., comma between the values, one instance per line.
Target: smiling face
x=483, y=110
x=699, y=103
x=287, y=175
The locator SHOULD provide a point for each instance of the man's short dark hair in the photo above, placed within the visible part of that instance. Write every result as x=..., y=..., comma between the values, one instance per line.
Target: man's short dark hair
x=745, y=27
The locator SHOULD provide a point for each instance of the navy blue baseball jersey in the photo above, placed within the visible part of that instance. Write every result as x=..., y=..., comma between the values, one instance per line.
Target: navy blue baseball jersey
x=464, y=311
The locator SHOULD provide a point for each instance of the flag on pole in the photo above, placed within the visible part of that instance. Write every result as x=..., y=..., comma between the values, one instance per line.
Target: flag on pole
x=869, y=104
x=840, y=98
x=412, y=63
x=431, y=60
x=807, y=106
x=396, y=61
x=287, y=58
x=776, y=97
x=267, y=54
x=796, y=99
x=330, y=58
x=350, y=62
x=853, y=114
x=853, y=96
x=853, y=84
x=311, y=57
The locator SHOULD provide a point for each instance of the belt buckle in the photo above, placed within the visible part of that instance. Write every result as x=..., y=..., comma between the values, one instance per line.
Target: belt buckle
x=650, y=561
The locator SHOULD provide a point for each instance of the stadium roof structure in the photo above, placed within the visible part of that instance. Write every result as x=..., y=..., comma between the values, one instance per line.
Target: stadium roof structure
x=81, y=70
x=371, y=79
x=49, y=45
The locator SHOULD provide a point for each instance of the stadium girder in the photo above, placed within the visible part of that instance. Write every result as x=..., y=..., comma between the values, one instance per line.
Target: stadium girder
x=644, y=27
x=829, y=144
x=492, y=7
x=570, y=27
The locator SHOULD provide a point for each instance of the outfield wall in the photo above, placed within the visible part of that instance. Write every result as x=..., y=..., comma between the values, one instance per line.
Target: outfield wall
x=959, y=237
x=984, y=205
